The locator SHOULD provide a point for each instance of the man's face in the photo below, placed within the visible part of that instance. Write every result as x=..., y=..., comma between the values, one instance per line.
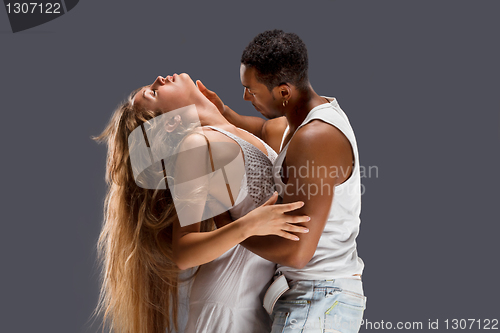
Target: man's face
x=257, y=93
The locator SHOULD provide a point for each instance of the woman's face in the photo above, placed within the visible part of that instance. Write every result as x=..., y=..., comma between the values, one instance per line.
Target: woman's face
x=167, y=93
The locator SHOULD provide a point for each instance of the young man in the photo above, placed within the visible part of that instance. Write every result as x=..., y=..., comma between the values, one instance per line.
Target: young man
x=318, y=164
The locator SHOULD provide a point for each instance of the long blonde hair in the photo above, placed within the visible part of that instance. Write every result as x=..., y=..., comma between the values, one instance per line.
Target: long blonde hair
x=139, y=292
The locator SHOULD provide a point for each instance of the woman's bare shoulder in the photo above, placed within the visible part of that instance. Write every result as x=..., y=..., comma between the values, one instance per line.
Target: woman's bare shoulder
x=222, y=148
x=194, y=140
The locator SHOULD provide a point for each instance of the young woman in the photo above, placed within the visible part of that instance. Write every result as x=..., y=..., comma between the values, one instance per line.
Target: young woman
x=143, y=245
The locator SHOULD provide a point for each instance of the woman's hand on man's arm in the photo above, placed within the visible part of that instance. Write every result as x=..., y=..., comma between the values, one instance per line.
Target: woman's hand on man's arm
x=193, y=248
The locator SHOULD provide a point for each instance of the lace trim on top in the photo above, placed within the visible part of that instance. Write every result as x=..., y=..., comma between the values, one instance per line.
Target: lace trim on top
x=258, y=167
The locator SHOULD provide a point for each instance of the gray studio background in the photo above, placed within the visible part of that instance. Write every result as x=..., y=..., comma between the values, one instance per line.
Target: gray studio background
x=418, y=79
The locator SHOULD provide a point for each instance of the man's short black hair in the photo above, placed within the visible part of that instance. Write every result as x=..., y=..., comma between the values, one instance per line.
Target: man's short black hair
x=278, y=57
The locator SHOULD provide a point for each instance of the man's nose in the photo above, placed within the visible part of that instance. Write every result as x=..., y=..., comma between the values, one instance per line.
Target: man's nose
x=246, y=95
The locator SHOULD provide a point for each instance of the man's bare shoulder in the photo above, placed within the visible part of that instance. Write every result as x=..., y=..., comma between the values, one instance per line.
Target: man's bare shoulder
x=318, y=138
x=317, y=131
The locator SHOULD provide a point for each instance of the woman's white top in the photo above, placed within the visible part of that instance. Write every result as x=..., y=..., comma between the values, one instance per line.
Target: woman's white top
x=226, y=295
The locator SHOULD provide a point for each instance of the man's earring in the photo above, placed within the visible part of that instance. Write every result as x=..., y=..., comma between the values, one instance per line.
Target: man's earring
x=285, y=103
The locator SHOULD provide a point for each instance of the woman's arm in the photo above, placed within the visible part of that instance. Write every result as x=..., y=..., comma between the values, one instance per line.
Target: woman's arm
x=192, y=247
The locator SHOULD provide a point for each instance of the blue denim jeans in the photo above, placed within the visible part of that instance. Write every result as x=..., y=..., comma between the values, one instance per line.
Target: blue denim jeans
x=314, y=306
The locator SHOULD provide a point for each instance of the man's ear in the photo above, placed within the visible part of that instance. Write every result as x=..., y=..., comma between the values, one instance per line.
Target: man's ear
x=285, y=91
x=173, y=123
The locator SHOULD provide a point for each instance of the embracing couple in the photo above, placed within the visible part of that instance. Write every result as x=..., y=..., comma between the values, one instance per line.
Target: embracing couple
x=209, y=200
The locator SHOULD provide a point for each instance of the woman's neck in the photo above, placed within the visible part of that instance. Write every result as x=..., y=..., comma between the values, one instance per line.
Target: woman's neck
x=210, y=115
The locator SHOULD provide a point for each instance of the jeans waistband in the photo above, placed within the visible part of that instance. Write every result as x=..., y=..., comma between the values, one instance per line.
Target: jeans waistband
x=351, y=284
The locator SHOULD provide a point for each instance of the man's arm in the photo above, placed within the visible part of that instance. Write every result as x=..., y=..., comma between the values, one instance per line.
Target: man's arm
x=248, y=123
x=272, y=132
x=317, y=147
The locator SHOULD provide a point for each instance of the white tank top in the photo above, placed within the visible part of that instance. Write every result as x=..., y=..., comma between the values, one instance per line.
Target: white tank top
x=336, y=255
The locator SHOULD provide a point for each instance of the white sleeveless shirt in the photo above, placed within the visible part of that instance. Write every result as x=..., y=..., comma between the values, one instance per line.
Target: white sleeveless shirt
x=336, y=255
